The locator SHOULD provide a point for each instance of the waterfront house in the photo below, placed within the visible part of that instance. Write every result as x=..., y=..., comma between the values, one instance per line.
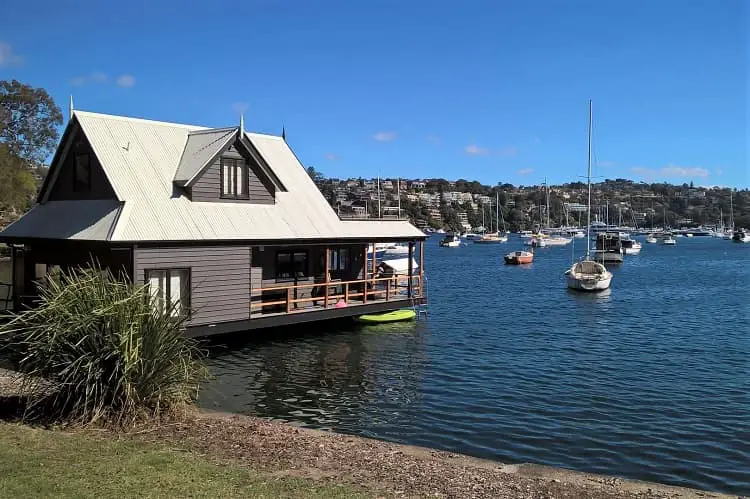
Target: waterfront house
x=225, y=226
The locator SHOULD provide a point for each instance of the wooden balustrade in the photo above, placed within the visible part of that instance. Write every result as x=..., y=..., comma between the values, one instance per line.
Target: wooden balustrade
x=369, y=285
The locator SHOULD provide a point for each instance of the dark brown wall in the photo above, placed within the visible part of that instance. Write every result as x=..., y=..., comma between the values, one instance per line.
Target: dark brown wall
x=63, y=186
x=208, y=186
x=263, y=271
x=219, y=278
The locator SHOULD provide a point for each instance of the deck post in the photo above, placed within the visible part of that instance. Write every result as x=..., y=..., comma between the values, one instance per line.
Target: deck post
x=364, y=276
x=421, y=268
x=327, y=277
x=288, y=300
x=411, y=268
x=346, y=292
x=388, y=290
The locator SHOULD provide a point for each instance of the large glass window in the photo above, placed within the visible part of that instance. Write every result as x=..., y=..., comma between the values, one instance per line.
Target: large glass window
x=234, y=183
x=171, y=289
x=291, y=265
x=338, y=259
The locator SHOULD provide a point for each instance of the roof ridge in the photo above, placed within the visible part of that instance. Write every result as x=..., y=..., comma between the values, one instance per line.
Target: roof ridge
x=214, y=130
x=139, y=120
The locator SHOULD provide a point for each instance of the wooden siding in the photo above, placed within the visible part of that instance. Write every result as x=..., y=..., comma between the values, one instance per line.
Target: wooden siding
x=208, y=186
x=62, y=189
x=219, y=278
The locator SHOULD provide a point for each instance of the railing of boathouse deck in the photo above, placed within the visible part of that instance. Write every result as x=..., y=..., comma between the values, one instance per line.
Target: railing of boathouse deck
x=391, y=291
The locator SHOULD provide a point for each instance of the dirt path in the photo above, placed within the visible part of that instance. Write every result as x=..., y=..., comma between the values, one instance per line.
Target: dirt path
x=389, y=470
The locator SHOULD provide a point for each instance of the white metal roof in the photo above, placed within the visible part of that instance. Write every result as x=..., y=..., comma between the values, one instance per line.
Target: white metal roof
x=201, y=147
x=141, y=157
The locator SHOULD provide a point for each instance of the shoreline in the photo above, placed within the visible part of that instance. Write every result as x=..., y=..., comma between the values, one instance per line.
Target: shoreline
x=377, y=467
x=396, y=470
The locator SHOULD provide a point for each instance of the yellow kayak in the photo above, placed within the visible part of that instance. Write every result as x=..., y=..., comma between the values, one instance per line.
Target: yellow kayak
x=395, y=316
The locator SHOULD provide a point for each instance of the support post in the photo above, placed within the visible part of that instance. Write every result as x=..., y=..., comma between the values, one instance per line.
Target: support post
x=327, y=277
x=387, y=290
x=288, y=300
x=346, y=292
x=421, y=268
x=364, y=275
x=411, y=268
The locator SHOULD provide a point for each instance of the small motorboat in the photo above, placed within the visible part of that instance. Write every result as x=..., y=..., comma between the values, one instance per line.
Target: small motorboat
x=669, y=240
x=651, y=239
x=405, y=314
x=631, y=246
x=519, y=258
x=451, y=241
x=741, y=236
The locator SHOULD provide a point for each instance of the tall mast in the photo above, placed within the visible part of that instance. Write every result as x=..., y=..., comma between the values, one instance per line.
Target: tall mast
x=380, y=213
x=398, y=195
x=546, y=186
x=497, y=212
x=731, y=211
x=588, y=218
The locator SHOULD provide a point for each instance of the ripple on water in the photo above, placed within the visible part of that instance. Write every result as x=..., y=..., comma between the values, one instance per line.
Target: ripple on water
x=648, y=381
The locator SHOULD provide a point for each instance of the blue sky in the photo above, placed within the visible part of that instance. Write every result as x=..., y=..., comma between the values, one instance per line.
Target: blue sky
x=487, y=90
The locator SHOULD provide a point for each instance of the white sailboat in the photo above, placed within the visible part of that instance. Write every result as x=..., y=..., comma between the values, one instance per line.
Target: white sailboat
x=588, y=275
x=493, y=237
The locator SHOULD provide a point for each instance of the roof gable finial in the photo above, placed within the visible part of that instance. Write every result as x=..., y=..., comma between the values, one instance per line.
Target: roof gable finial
x=242, y=123
x=70, y=108
x=283, y=132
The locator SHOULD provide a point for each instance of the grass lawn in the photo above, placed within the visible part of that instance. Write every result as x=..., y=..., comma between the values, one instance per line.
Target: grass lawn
x=49, y=463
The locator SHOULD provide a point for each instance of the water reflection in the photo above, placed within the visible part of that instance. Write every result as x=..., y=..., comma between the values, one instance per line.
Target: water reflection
x=366, y=376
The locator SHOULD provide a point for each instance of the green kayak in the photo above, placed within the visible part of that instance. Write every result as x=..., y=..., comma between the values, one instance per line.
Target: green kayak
x=395, y=316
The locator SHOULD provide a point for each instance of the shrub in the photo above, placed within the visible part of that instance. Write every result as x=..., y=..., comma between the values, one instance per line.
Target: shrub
x=107, y=350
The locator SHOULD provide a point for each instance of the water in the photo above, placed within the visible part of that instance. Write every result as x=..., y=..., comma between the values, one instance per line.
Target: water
x=649, y=380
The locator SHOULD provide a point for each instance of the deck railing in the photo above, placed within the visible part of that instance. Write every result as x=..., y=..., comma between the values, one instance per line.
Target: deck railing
x=355, y=292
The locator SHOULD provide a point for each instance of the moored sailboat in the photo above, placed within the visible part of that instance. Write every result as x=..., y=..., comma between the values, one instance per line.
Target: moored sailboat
x=588, y=275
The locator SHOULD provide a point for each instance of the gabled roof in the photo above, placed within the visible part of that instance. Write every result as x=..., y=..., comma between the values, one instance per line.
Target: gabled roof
x=141, y=158
x=201, y=148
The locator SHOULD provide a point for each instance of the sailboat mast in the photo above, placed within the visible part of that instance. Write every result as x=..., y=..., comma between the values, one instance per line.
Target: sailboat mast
x=546, y=185
x=588, y=219
x=497, y=212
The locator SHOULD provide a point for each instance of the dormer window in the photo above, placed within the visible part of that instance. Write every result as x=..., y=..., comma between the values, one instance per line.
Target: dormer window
x=234, y=179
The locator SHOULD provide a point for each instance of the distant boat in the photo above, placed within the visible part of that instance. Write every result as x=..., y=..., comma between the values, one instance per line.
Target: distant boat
x=451, y=241
x=519, y=258
x=631, y=246
x=668, y=240
x=588, y=275
x=741, y=236
x=493, y=237
x=651, y=239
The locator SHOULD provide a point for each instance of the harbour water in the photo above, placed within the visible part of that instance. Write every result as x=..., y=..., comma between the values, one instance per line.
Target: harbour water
x=649, y=380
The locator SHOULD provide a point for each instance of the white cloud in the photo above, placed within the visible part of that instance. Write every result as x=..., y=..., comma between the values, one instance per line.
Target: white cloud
x=525, y=171
x=95, y=77
x=475, y=150
x=331, y=156
x=125, y=81
x=239, y=107
x=385, y=136
x=98, y=77
x=7, y=56
x=670, y=171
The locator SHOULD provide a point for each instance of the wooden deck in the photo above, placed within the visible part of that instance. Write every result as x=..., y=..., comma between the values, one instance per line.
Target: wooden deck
x=362, y=296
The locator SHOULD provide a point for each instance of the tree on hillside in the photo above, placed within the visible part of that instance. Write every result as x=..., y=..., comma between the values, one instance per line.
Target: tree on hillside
x=28, y=134
x=29, y=120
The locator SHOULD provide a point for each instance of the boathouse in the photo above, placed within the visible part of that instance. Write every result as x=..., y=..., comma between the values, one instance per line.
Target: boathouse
x=225, y=225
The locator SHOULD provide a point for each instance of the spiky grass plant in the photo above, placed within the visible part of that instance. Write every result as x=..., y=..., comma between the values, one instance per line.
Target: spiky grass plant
x=98, y=350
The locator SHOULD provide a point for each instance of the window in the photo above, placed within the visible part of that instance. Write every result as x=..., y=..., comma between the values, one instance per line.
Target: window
x=291, y=265
x=171, y=289
x=234, y=179
x=82, y=173
x=338, y=259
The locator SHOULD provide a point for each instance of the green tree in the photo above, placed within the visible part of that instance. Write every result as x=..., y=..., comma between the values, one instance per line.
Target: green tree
x=29, y=120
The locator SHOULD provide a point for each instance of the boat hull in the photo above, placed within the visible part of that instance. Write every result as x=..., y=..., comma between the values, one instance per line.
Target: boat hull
x=450, y=244
x=519, y=259
x=587, y=284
